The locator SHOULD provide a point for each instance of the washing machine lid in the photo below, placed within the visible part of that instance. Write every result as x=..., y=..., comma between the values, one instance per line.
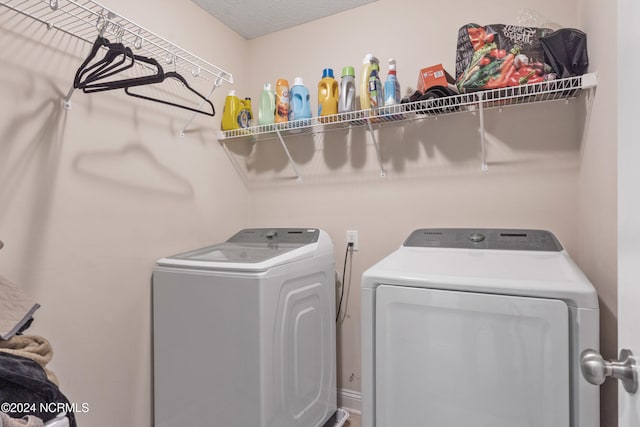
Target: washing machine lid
x=255, y=249
x=497, y=261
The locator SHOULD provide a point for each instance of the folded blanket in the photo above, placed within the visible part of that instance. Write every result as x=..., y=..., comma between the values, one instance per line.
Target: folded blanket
x=32, y=347
x=16, y=309
x=27, y=421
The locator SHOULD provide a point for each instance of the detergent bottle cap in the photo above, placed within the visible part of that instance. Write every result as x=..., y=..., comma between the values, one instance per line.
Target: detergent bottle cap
x=348, y=71
x=298, y=81
x=392, y=65
x=367, y=58
x=327, y=72
x=232, y=92
x=267, y=86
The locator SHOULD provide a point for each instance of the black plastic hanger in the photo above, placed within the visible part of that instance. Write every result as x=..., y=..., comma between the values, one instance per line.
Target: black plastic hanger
x=108, y=65
x=91, y=78
x=96, y=85
x=173, y=74
x=97, y=44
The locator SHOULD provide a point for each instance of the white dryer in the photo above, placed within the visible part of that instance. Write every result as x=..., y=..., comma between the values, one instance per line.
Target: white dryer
x=477, y=327
x=244, y=332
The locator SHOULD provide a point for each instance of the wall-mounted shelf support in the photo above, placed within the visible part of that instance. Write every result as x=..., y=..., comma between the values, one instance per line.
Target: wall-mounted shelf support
x=375, y=144
x=293, y=164
x=484, y=166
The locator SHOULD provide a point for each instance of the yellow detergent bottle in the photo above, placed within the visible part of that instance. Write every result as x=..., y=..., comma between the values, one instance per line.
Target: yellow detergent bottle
x=365, y=75
x=230, y=112
x=327, y=94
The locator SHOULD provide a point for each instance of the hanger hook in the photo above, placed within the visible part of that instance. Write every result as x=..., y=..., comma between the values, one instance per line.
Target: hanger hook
x=195, y=72
x=119, y=33
x=138, y=41
x=53, y=4
x=101, y=24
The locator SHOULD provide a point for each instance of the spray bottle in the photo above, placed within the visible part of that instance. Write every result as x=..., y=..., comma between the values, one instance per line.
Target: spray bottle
x=391, y=86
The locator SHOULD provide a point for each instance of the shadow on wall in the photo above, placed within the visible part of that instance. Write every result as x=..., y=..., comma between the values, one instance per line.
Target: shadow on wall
x=539, y=137
x=134, y=168
x=30, y=149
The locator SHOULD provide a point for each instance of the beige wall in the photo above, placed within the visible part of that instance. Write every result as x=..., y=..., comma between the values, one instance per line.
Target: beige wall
x=91, y=197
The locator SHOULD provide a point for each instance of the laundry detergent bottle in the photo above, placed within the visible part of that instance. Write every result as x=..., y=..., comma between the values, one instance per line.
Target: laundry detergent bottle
x=327, y=94
x=376, y=95
x=267, y=107
x=230, y=112
x=282, y=101
x=365, y=75
x=347, y=102
x=245, y=114
x=300, y=101
x=391, y=86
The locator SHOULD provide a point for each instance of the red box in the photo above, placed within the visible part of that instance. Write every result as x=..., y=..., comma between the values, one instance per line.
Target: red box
x=435, y=75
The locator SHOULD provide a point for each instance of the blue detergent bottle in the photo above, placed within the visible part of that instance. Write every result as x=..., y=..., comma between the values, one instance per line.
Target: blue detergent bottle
x=299, y=101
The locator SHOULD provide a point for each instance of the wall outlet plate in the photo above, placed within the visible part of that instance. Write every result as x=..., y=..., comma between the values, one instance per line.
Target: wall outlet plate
x=352, y=237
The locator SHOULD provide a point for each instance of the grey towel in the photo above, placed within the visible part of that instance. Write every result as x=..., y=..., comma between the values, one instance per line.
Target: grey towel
x=16, y=308
x=27, y=421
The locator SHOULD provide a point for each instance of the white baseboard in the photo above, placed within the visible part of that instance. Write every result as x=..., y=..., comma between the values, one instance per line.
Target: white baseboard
x=350, y=400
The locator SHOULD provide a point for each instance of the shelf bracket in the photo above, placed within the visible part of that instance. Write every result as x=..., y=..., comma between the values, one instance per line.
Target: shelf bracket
x=216, y=85
x=484, y=167
x=286, y=150
x=375, y=144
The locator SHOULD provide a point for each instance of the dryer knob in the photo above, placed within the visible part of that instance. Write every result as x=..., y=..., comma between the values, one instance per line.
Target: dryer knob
x=476, y=237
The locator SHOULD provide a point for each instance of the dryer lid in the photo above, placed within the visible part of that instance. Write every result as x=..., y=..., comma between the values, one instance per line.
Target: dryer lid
x=535, y=269
x=251, y=249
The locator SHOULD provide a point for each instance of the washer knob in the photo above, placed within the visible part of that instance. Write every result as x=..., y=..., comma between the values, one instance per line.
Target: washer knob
x=476, y=237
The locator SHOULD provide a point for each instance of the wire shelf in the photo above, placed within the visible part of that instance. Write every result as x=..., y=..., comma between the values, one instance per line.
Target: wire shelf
x=552, y=90
x=86, y=19
x=496, y=98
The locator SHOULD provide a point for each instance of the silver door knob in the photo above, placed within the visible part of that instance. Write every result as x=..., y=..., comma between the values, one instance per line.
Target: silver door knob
x=595, y=369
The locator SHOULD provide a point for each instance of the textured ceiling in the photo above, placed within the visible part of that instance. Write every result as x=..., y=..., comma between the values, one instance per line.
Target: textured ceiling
x=255, y=18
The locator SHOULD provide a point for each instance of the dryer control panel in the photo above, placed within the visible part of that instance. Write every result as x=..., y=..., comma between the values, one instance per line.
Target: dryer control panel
x=484, y=238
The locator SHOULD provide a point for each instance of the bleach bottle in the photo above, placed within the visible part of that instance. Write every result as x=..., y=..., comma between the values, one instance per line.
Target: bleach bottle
x=299, y=101
x=391, y=86
x=267, y=107
x=347, y=102
x=327, y=94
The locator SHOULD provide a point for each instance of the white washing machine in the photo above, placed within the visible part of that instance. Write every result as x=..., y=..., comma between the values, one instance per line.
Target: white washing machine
x=244, y=332
x=477, y=327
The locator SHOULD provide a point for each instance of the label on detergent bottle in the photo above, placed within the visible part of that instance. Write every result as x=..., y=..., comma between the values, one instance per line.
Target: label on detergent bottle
x=244, y=118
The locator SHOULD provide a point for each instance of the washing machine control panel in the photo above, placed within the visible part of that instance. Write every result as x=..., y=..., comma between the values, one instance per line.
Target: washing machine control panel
x=484, y=238
x=295, y=236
